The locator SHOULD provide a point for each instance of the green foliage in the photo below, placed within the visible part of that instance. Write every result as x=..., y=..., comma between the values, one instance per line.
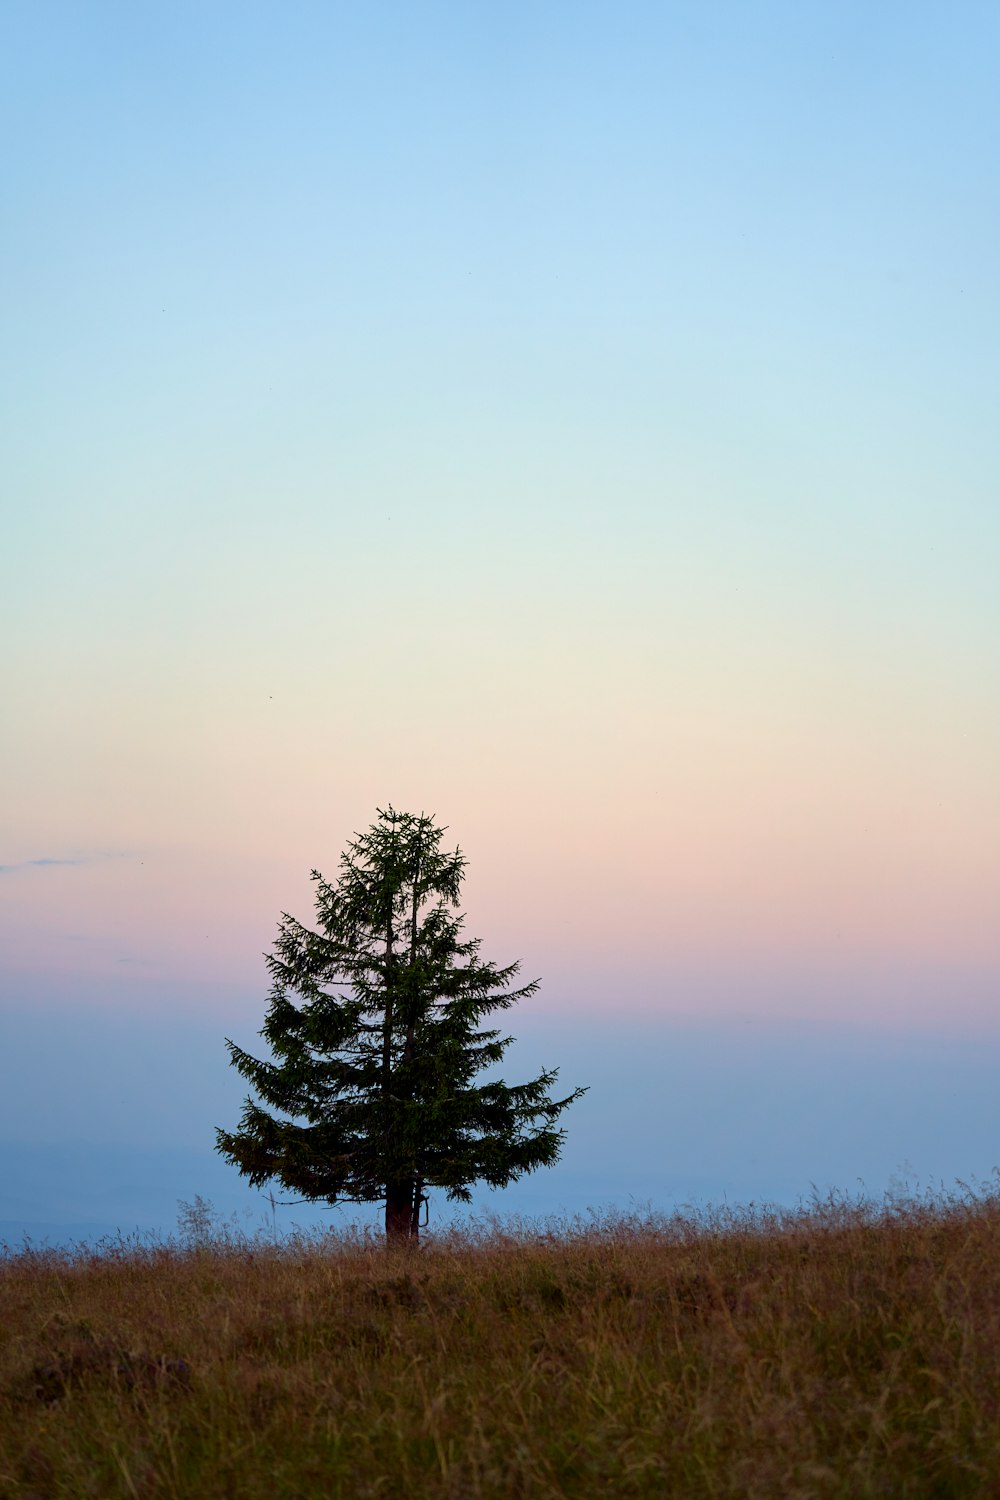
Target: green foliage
x=374, y=1026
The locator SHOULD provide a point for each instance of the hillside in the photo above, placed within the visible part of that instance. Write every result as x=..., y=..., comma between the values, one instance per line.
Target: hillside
x=841, y=1351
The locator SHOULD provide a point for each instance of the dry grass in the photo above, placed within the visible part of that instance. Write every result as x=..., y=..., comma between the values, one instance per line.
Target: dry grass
x=840, y=1351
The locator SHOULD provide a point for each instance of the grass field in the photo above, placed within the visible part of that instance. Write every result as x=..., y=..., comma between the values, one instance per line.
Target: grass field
x=844, y=1350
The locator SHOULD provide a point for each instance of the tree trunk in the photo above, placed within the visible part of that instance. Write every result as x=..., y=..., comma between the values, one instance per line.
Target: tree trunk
x=400, y=1228
x=387, y=1019
x=402, y=1202
x=418, y=1201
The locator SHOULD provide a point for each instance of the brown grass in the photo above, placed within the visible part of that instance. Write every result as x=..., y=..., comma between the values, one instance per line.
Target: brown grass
x=839, y=1351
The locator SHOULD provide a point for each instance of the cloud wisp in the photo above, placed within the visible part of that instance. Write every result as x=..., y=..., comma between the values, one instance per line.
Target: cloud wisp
x=47, y=862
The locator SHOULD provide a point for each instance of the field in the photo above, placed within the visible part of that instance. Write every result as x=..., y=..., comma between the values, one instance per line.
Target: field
x=843, y=1350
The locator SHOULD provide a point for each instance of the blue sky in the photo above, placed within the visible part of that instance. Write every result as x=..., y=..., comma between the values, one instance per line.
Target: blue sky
x=577, y=421
x=107, y=1119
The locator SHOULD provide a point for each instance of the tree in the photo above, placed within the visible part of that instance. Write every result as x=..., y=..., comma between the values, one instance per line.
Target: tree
x=374, y=1062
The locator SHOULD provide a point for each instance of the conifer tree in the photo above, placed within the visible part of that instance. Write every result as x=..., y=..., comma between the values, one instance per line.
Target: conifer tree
x=374, y=1025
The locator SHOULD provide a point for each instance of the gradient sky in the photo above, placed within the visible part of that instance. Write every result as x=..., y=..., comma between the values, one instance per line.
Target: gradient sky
x=577, y=421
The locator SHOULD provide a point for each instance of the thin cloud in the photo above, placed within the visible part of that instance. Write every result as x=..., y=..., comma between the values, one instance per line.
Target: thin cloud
x=47, y=862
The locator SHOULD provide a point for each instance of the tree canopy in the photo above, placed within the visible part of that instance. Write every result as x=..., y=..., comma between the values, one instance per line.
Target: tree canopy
x=375, y=1029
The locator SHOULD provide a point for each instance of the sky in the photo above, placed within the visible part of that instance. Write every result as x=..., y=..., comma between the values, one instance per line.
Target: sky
x=574, y=421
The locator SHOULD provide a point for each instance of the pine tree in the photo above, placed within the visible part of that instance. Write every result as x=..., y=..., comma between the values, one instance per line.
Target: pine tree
x=375, y=1060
